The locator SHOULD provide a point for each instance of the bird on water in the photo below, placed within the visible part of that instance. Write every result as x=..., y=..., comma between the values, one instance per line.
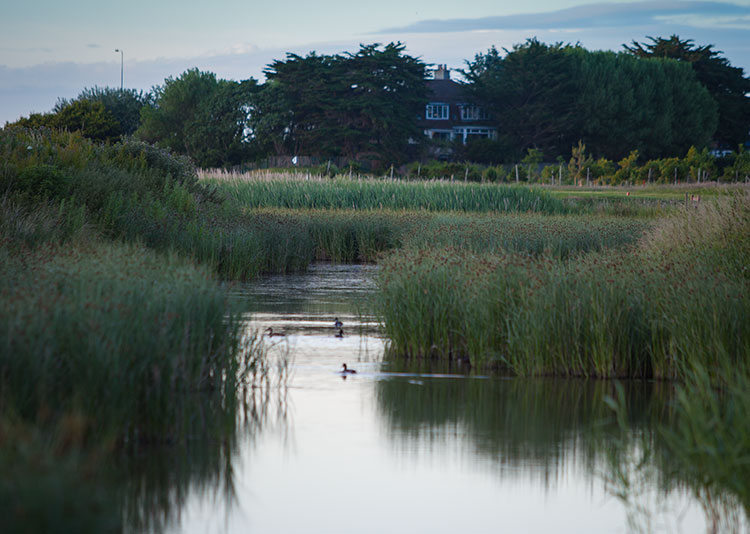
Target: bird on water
x=347, y=371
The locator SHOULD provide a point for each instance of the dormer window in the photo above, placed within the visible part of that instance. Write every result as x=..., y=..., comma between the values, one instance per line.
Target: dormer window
x=473, y=113
x=437, y=111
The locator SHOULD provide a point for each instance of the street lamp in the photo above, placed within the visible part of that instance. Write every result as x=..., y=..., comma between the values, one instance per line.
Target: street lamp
x=122, y=62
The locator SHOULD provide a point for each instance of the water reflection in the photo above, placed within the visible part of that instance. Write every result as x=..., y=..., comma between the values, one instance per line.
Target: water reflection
x=535, y=428
x=159, y=480
x=430, y=448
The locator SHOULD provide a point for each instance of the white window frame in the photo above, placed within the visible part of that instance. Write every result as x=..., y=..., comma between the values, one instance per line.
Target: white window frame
x=437, y=111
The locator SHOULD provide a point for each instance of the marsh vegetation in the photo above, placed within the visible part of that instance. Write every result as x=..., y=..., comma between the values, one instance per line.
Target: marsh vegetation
x=118, y=332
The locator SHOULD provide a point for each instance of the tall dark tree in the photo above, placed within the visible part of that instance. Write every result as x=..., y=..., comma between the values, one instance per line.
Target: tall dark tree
x=352, y=104
x=727, y=84
x=386, y=94
x=654, y=106
x=530, y=92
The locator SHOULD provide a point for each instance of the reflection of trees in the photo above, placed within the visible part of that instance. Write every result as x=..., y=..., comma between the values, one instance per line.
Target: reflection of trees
x=542, y=426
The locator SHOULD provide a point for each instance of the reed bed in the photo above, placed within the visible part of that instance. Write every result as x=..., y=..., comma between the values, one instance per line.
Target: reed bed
x=626, y=313
x=119, y=324
x=558, y=236
x=377, y=194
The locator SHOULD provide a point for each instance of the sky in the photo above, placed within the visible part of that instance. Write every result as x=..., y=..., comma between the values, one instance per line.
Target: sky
x=51, y=49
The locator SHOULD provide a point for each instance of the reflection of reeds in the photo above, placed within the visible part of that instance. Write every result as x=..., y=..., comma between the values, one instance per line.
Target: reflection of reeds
x=541, y=427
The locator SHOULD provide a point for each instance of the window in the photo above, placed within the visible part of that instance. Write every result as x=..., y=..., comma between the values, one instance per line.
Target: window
x=437, y=111
x=443, y=135
x=473, y=113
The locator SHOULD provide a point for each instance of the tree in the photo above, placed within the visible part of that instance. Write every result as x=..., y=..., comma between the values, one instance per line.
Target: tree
x=123, y=104
x=726, y=84
x=655, y=106
x=580, y=162
x=530, y=93
x=200, y=116
x=366, y=103
x=532, y=159
x=549, y=96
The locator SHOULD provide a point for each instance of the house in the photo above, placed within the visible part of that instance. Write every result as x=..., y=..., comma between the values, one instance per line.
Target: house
x=449, y=115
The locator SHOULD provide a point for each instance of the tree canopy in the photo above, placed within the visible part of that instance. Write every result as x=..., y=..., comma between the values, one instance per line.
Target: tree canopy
x=726, y=84
x=123, y=104
x=529, y=92
x=200, y=116
x=357, y=105
x=548, y=97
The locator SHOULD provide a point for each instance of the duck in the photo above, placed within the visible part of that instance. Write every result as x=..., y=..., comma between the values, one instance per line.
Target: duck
x=347, y=371
x=341, y=333
x=337, y=323
x=271, y=333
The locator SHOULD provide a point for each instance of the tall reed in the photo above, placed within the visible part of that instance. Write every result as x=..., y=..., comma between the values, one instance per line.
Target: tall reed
x=606, y=313
x=375, y=194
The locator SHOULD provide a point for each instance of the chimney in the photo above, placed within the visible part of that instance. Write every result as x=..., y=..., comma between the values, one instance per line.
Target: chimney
x=442, y=73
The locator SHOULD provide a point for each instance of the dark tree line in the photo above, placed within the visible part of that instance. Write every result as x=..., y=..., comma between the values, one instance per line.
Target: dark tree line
x=103, y=114
x=658, y=98
x=548, y=97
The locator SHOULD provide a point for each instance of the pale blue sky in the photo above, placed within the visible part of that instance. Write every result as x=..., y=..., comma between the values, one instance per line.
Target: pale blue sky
x=51, y=49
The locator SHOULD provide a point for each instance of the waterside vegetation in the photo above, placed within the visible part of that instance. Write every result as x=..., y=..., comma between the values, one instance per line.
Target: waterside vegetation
x=112, y=338
x=111, y=257
x=676, y=298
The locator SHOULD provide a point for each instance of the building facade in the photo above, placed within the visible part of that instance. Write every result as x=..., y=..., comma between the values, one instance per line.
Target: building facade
x=449, y=114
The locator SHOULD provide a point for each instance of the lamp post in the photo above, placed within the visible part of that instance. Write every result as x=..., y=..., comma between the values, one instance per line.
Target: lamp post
x=122, y=62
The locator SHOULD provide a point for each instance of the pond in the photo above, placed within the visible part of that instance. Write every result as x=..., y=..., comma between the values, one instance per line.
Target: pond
x=393, y=449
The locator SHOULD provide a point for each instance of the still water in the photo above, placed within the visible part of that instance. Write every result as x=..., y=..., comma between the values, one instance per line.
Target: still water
x=396, y=450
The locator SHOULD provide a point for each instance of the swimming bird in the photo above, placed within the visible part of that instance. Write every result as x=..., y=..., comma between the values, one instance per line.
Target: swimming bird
x=338, y=324
x=272, y=334
x=341, y=333
x=347, y=371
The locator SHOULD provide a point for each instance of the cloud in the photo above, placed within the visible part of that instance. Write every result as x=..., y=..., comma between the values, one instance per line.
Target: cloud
x=697, y=14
